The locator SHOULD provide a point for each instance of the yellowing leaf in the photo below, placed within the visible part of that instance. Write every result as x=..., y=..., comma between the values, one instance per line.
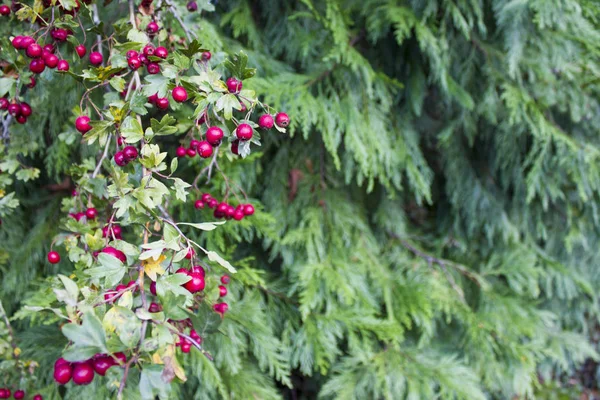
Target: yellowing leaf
x=153, y=268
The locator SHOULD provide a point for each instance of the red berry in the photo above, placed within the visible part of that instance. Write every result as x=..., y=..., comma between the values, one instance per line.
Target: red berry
x=80, y=50
x=115, y=230
x=53, y=257
x=206, y=197
x=243, y=132
x=83, y=374
x=248, y=209
x=31, y=83
x=214, y=135
x=21, y=119
x=152, y=99
x=82, y=124
x=132, y=54
x=221, y=308
x=162, y=103
x=154, y=307
x=63, y=373
x=49, y=48
x=120, y=140
x=130, y=153
x=190, y=254
x=19, y=394
x=235, y=147
x=4, y=10
x=134, y=63
x=153, y=288
x=102, y=364
x=34, y=50
x=38, y=397
x=194, y=335
x=234, y=85
x=132, y=284
x=191, y=152
x=120, y=159
x=206, y=56
x=191, y=6
x=195, y=284
x=121, y=357
x=230, y=211
x=51, y=60
x=4, y=103
x=198, y=204
x=37, y=66
x=205, y=150
x=148, y=50
x=63, y=65
x=238, y=215
x=91, y=213
x=153, y=68
x=266, y=121
x=225, y=279
x=161, y=52
x=282, y=119
x=222, y=291
x=152, y=28
x=199, y=269
x=59, y=34
x=194, y=143
x=212, y=203
x=115, y=253
x=25, y=109
x=181, y=151
x=186, y=347
x=96, y=58
x=17, y=42
x=179, y=94
x=222, y=207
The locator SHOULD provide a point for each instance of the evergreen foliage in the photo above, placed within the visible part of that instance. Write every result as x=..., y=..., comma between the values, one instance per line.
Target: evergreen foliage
x=430, y=230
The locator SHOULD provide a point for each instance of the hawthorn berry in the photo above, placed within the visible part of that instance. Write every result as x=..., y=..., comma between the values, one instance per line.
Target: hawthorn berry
x=153, y=288
x=31, y=83
x=154, y=307
x=96, y=58
x=14, y=109
x=235, y=147
x=49, y=48
x=199, y=269
x=34, y=50
x=234, y=85
x=27, y=40
x=148, y=50
x=82, y=124
x=21, y=119
x=59, y=34
x=91, y=213
x=17, y=41
x=120, y=159
x=205, y=150
x=206, y=197
x=37, y=66
x=222, y=291
x=190, y=253
x=132, y=54
x=195, y=284
x=152, y=28
x=194, y=335
x=198, y=204
x=222, y=208
x=214, y=135
x=80, y=50
x=225, y=279
x=4, y=10
x=191, y=6
x=83, y=374
x=266, y=121
x=191, y=152
x=243, y=132
x=186, y=347
x=115, y=253
x=19, y=394
x=63, y=65
x=102, y=364
x=152, y=98
x=4, y=103
x=153, y=68
x=248, y=209
x=51, y=60
x=38, y=397
x=5, y=393
x=162, y=103
x=134, y=63
x=206, y=56
x=115, y=229
x=194, y=143
x=221, y=308
x=161, y=52
x=53, y=257
x=121, y=357
x=282, y=119
x=25, y=109
x=230, y=211
x=130, y=153
x=180, y=151
x=238, y=215
x=179, y=94
x=62, y=373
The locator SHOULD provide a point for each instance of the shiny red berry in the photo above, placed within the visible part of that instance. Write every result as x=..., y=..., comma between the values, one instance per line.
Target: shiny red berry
x=191, y=152
x=96, y=58
x=134, y=63
x=154, y=307
x=37, y=66
x=221, y=308
x=19, y=394
x=205, y=150
x=234, y=85
x=198, y=204
x=148, y=50
x=266, y=121
x=63, y=65
x=206, y=56
x=80, y=50
x=115, y=253
x=132, y=54
x=238, y=215
x=34, y=50
x=191, y=6
x=51, y=60
x=38, y=397
x=152, y=28
x=235, y=147
x=225, y=279
x=83, y=374
x=195, y=284
x=190, y=254
x=130, y=153
x=25, y=109
x=199, y=269
x=181, y=151
x=282, y=119
x=4, y=10
x=179, y=94
x=120, y=159
x=82, y=124
x=161, y=52
x=63, y=373
x=214, y=135
x=248, y=209
x=53, y=257
x=153, y=288
x=162, y=103
x=222, y=291
x=91, y=213
x=102, y=364
x=153, y=68
x=243, y=132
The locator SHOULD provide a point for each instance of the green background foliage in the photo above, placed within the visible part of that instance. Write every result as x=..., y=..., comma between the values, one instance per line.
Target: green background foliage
x=429, y=229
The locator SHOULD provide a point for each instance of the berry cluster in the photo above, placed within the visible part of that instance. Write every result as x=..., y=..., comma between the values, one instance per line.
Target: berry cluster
x=125, y=156
x=82, y=373
x=185, y=344
x=118, y=291
x=90, y=213
x=135, y=59
x=19, y=394
x=224, y=209
x=21, y=111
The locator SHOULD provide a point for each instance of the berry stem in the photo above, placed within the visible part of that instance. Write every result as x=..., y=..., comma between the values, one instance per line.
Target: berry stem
x=97, y=170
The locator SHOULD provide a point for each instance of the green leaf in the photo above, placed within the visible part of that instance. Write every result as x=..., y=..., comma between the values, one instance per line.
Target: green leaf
x=99, y=131
x=6, y=85
x=174, y=165
x=180, y=187
x=131, y=130
x=125, y=323
x=205, y=320
x=152, y=384
x=27, y=174
x=204, y=226
x=117, y=83
x=181, y=61
x=137, y=104
x=165, y=126
x=227, y=103
x=172, y=284
x=111, y=269
x=137, y=36
x=212, y=256
x=173, y=304
x=157, y=84
x=193, y=49
x=89, y=335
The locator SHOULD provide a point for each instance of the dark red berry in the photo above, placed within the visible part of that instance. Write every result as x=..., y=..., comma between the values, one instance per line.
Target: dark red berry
x=49, y=48
x=153, y=68
x=19, y=394
x=130, y=153
x=4, y=10
x=34, y=50
x=153, y=288
x=25, y=109
x=63, y=65
x=186, y=347
x=214, y=135
x=222, y=291
x=181, y=151
x=221, y=308
x=212, y=203
x=152, y=28
x=206, y=197
x=63, y=373
x=266, y=121
x=96, y=58
x=230, y=211
x=132, y=54
x=4, y=103
x=80, y=50
x=31, y=83
x=191, y=152
x=194, y=335
x=53, y=257
x=161, y=52
x=190, y=254
x=243, y=132
x=191, y=6
x=148, y=50
x=248, y=209
x=152, y=98
x=225, y=279
x=199, y=269
x=37, y=66
x=21, y=119
x=91, y=213
x=179, y=94
x=234, y=85
x=17, y=42
x=198, y=204
x=83, y=374
x=205, y=150
x=206, y=56
x=59, y=34
x=82, y=124
x=121, y=357
x=38, y=397
x=195, y=284
x=238, y=215
x=282, y=119
x=154, y=307
x=102, y=364
x=27, y=40
x=134, y=63
x=235, y=147
x=162, y=103
x=194, y=143
x=115, y=253
x=51, y=60
x=120, y=159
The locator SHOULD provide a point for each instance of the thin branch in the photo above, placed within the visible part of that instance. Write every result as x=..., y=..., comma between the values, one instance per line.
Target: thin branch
x=188, y=33
x=99, y=165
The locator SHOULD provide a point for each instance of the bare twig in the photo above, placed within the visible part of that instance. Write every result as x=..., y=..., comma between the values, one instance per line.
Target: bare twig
x=189, y=34
x=99, y=165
